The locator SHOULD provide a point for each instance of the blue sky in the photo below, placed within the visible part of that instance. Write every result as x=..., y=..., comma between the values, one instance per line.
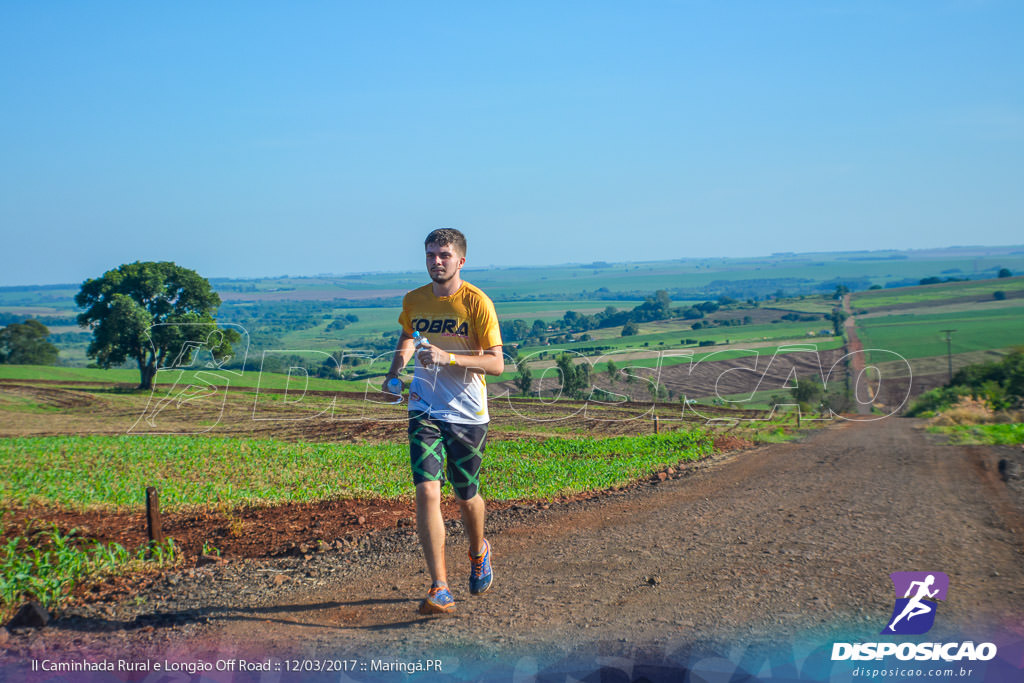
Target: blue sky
x=257, y=139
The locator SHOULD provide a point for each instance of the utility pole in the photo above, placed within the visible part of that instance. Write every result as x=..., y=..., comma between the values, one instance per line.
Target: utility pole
x=949, y=352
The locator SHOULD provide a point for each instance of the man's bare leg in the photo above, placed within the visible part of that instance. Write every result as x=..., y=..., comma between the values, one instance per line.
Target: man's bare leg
x=473, y=512
x=430, y=527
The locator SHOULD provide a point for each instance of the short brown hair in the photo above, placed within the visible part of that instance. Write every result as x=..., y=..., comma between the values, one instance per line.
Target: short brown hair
x=443, y=237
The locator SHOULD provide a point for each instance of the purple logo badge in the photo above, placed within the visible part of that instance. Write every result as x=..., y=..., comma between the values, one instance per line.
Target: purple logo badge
x=916, y=596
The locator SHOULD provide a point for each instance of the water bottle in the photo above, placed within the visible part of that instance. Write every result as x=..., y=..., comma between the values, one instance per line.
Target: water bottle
x=422, y=342
x=394, y=386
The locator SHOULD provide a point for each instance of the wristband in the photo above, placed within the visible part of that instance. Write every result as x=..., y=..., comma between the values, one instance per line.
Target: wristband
x=451, y=359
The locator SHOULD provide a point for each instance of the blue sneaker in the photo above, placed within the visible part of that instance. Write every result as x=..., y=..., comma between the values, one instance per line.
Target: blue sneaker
x=438, y=601
x=480, y=574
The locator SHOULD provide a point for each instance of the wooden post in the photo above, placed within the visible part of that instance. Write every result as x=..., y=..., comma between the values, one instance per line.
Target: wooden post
x=154, y=528
x=655, y=424
x=798, y=418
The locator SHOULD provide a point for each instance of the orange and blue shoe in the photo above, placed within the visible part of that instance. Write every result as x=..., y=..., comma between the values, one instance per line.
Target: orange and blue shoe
x=480, y=574
x=438, y=601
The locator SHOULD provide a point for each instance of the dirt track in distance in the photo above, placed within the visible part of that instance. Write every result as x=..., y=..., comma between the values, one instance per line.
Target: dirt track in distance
x=766, y=544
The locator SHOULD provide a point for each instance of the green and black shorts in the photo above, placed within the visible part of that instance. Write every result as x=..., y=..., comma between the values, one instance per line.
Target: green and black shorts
x=463, y=446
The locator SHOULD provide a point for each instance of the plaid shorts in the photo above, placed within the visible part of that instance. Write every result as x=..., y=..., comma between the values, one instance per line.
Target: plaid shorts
x=463, y=446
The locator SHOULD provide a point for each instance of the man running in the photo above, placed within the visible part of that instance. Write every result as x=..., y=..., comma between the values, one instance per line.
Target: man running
x=916, y=606
x=448, y=406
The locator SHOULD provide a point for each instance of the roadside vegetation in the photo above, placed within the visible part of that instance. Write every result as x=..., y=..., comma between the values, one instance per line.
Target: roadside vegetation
x=983, y=404
x=985, y=388
x=988, y=434
x=46, y=565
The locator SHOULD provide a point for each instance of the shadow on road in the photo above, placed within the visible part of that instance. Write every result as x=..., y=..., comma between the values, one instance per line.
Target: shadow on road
x=221, y=613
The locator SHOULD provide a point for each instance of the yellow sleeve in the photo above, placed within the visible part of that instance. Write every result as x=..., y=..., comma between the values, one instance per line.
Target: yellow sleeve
x=486, y=321
x=404, y=319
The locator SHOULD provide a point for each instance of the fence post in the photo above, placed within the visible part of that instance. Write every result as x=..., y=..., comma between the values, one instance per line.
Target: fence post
x=656, y=426
x=154, y=528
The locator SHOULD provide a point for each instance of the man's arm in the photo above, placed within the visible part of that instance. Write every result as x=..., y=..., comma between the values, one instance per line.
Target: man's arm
x=491, y=362
x=403, y=352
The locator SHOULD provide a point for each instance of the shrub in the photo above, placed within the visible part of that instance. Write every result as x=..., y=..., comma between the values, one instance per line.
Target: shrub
x=936, y=400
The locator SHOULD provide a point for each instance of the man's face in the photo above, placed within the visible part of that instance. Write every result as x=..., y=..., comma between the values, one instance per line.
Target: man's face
x=443, y=262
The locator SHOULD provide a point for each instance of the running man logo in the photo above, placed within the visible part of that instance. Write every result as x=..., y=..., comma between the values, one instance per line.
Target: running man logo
x=446, y=327
x=916, y=596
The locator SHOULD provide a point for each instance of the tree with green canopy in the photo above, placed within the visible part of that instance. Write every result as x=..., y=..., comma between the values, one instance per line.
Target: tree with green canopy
x=575, y=378
x=613, y=371
x=155, y=313
x=25, y=344
x=524, y=378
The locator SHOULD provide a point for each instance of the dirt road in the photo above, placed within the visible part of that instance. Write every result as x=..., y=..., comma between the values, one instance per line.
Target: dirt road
x=768, y=544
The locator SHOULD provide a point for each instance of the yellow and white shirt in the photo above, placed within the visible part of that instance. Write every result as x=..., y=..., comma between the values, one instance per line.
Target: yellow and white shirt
x=464, y=323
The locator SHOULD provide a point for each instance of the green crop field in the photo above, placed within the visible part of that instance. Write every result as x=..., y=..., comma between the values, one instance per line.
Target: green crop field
x=928, y=294
x=266, y=380
x=81, y=472
x=948, y=307
x=672, y=333
x=934, y=365
x=676, y=357
x=821, y=305
x=650, y=358
x=554, y=310
x=374, y=322
x=57, y=297
x=921, y=336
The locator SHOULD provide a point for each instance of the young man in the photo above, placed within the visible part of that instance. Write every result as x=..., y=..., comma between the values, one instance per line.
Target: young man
x=448, y=406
